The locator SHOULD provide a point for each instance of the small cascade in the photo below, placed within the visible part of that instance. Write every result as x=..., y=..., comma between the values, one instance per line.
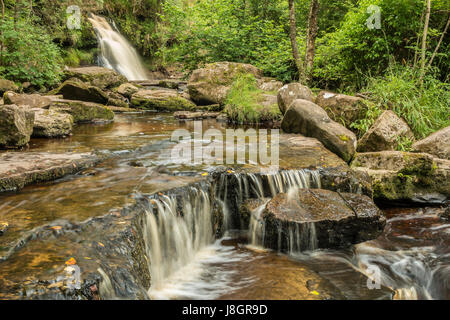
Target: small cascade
x=283, y=181
x=176, y=229
x=116, y=52
x=302, y=238
x=256, y=229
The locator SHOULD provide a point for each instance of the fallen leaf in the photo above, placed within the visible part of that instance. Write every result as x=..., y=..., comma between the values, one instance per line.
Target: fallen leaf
x=87, y=258
x=56, y=228
x=71, y=262
x=205, y=174
x=101, y=244
x=315, y=293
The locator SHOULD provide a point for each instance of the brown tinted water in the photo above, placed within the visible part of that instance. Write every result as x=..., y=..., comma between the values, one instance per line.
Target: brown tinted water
x=412, y=253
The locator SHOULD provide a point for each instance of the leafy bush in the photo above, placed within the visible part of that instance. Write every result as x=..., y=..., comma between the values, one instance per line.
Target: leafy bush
x=244, y=102
x=28, y=54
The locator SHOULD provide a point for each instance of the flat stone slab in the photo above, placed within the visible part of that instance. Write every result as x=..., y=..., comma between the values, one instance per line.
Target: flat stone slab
x=18, y=169
x=309, y=219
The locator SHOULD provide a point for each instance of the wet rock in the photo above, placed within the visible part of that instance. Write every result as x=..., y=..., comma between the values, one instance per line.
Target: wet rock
x=187, y=115
x=437, y=144
x=30, y=100
x=162, y=83
x=446, y=214
x=161, y=100
x=16, y=126
x=76, y=90
x=20, y=169
x=96, y=76
x=127, y=89
x=291, y=92
x=6, y=85
x=311, y=219
x=116, y=109
x=385, y=133
x=406, y=177
x=342, y=108
x=210, y=85
x=82, y=111
x=309, y=119
x=51, y=124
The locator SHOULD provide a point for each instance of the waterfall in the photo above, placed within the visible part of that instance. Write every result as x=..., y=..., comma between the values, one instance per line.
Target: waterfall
x=176, y=229
x=116, y=52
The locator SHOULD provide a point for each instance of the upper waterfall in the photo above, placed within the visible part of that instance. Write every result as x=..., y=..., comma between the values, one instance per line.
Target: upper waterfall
x=116, y=52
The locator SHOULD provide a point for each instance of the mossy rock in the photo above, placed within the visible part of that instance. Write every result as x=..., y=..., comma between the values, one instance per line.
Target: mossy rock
x=161, y=100
x=77, y=90
x=83, y=111
x=96, y=76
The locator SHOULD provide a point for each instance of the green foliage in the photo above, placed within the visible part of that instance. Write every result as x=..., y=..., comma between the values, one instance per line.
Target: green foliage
x=424, y=107
x=363, y=125
x=244, y=102
x=75, y=57
x=28, y=53
x=404, y=144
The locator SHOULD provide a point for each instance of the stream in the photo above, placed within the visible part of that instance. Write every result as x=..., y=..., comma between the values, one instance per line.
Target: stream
x=412, y=255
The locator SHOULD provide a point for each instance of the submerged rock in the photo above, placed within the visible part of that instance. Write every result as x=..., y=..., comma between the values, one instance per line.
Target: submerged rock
x=83, y=111
x=437, y=144
x=30, y=100
x=7, y=85
x=18, y=169
x=342, y=108
x=406, y=177
x=211, y=84
x=161, y=100
x=385, y=133
x=51, y=124
x=291, y=92
x=76, y=90
x=16, y=126
x=307, y=219
x=309, y=119
x=96, y=76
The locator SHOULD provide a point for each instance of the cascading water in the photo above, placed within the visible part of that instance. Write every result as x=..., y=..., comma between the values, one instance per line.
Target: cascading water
x=116, y=52
x=175, y=231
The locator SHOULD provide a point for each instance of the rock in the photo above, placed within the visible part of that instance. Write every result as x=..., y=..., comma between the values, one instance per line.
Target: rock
x=445, y=214
x=75, y=90
x=342, y=108
x=309, y=119
x=210, y=85
x=82, y=111
x=437, y=144
x=116, y=109
x=269, y=85
x=18, y=169
x=161, y=100
x=51, y=124
x=30, y=100
x=308, y=219
x=406, y=177
x=96, y=76
x=293, y=91
x=16, y=126
x=127, y=89
x=188, y=115
x=222, y=118
x=6, y=85
x=385, y=133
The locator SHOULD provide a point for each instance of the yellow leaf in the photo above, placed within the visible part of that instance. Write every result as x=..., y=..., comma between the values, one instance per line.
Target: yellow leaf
x=56, y=228
x=205, y=174
x=71, y=262
x=315, y=293
x=87, y=258
x=101, y=244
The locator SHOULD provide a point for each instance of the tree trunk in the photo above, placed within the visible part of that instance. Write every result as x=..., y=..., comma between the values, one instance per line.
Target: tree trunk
x=1, y=33
x=311, y=39
x=293, y=36
x=416, y=53
x=424, y=41
x=439, y=43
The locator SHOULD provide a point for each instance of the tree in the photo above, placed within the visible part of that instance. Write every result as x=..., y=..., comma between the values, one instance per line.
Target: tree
x=439, y=43
x=311, y=40
x=293, y=36
x=424, y=40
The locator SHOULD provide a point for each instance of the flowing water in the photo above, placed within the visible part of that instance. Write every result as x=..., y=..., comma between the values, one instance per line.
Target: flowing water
x=183, y=257
x=116, y=52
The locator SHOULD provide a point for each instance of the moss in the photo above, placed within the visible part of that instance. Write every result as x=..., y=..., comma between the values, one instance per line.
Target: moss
x=344, y=137
x=163, y=104
x=84, y=112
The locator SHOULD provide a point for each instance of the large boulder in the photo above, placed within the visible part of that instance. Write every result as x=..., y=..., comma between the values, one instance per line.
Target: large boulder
x=385, y=133
x=437, y=144
x=269, y=85
x=211, y=84
x=30, y=100
x=96, y=76
x=77, y=90
x=307, y=118
x=83, y=111
x=291, y=92
x=51, y=124
x=406, y=177
x=307, y=219
x=342, y=108
x=7, y=85
x=161, y=100
x=127, y=90
x=16, y=126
